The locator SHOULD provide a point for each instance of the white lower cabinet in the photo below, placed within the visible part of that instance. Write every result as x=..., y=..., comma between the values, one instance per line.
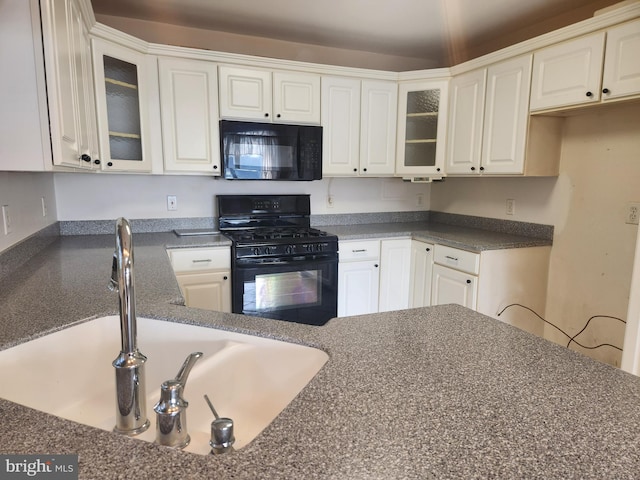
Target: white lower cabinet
x=204, y=276
x=395, y=274
x=455, y=277
x=420, y=271
x=358, y=277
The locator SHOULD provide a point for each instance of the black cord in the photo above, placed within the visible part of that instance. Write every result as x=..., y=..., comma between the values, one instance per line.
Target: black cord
x=571, y=338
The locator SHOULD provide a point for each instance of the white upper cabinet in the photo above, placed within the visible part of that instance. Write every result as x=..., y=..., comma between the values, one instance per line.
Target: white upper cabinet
x=568, y=74
x=254, y=94
x=506, y=116
x=359, y=127
x=378, y=127
x=584, y=70
x=466, y=114
x=69, y=85
x=622, y=61
x=189, y=109
x=121, y=79
x=422, y=123
x=340, y=126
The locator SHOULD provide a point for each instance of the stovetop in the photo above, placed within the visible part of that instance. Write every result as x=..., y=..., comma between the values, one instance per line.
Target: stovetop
x=276, y=235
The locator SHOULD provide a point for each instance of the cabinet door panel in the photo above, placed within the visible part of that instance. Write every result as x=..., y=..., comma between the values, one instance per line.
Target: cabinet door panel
x=296, y=97
x=209, y=291
x=451, y=286
x=464, y=138
x=245, y=93
x=378, y=127
x=568, y=74
x=341, y=126
x=395, y=274
x=506, y=116
x=358, y=284
x=421, y=273
x=189, y=99
x=622, y=61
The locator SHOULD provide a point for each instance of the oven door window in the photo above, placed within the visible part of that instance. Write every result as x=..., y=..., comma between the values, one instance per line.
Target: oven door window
x=278, y=291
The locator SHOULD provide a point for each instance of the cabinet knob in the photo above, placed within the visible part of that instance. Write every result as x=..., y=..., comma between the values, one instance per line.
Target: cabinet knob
x=473, y=169
x=96, y=161
x=215, y=167
x=278, y=115
x=375, y=265
x=589, y=94
x=428, y=249
x=85, y=158
x=481, y=169
x=364, y=169
x=605, y=90
x=109, y=164
x=468, y=281
x=225, y=278
x=355, y=169
x=266, y=114
x=437, y=169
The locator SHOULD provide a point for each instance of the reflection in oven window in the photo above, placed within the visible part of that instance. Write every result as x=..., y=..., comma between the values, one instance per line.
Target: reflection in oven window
x=278, y=291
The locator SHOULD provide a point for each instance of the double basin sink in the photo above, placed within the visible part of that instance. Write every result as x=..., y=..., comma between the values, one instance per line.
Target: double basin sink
x=247, y=378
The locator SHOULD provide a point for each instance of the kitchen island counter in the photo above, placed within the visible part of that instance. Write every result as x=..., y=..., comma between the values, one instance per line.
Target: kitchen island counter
x=439, y=392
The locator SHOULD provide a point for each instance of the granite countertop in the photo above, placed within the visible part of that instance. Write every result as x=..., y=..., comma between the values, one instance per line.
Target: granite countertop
x=440, y=392
x=466, y=238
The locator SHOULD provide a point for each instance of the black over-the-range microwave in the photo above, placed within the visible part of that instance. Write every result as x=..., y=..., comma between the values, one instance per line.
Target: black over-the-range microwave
x=270, y=151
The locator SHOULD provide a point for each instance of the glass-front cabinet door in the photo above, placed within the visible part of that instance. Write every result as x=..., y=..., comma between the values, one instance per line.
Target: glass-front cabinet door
x=422, y=108
x=121, y=108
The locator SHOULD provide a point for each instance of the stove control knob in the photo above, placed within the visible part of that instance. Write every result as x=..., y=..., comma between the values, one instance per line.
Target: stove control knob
x=256, y=251
x=318, y=247
x=289, y=249
x=268, y=250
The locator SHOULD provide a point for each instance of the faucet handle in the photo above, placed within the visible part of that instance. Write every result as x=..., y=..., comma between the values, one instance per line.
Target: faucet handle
x=171, y=409
x=113, y=281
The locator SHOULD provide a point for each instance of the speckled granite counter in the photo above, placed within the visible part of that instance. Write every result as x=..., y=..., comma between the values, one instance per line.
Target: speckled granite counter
x=472, y=239
x=438, y=392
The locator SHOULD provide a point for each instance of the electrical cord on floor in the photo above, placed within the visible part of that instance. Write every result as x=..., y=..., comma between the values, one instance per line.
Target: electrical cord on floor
x=571, y=338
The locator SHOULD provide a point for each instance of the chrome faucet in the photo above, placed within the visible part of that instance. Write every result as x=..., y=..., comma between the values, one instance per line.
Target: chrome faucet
x=131, y=411
x=171, y=410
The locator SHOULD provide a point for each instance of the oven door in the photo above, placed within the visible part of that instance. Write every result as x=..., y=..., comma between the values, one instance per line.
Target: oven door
x=296, y=289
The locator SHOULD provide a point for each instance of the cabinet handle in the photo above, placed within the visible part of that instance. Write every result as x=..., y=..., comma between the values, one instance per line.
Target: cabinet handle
x=468, y=281
x=605, y=90
x=359, y=250
x=589, y=94
x=451, y=258
x=85, y=158
x=204, y=260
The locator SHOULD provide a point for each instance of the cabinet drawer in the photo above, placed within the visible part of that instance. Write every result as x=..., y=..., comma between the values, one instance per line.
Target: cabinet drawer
x=459, y=259
x=359, y=250
x=198, y=259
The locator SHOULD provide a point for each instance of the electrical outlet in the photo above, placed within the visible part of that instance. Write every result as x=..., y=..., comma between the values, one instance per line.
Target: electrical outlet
x=633, y=213
x=511, y=206
x=6, y=220
x=419, y=200
x=329, y=201
x=44, y=206
x=172, y=202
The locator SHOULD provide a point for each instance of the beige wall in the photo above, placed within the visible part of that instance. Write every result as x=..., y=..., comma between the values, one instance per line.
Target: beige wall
x=167, y=34
x=591, y=259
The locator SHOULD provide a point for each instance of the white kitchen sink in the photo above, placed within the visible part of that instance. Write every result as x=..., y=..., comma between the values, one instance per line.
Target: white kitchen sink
x=248, y=379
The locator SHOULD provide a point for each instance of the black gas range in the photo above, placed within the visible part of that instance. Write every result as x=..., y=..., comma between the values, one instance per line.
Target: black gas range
x=282, y=268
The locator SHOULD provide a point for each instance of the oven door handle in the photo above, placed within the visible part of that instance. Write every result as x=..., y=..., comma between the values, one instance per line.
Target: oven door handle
x=253, y=262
